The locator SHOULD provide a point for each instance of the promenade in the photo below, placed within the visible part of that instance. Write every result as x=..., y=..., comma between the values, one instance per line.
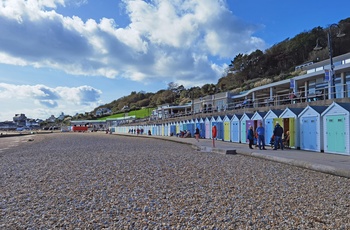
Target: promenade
x=334, y=164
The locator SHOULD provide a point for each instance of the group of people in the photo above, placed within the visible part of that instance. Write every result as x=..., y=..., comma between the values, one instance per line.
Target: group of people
x=259, y=136
x=136, y=131
x=184, y=134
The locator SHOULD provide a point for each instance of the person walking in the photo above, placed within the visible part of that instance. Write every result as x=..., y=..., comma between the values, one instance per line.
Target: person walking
x=196, y=134
x=213, y=134
x=261, y=136
x=250, y=137
x=278, y=132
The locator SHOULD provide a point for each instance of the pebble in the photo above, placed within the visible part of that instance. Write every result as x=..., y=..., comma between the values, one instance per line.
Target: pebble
x=99, y=181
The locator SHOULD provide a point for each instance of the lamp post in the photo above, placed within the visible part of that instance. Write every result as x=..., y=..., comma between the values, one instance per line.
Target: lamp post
x=192, y=105
x=331, y=80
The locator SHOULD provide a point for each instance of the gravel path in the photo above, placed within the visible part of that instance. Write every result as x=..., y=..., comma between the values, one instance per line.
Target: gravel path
x=99, y=181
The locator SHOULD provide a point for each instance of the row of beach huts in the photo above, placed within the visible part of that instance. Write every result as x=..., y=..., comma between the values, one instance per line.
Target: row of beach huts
x=314, y=128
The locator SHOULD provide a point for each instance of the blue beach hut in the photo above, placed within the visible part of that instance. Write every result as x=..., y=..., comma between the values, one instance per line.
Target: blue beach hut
x=184, y=125
x=220, y=127
x=235, y=128
x=311, y=128
x=201, y=126
x=212, y=123
x=181, y=125
x=190, y=126
x=172, y=129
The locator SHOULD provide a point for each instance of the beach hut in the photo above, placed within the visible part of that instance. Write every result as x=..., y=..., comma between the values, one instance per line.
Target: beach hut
x=148, y=128
x=172, y=129
x=184, y=125
x=269, y=124
x=166, y=129
x=218, y=121
x=227, y=127
x=212, y=123
x=201, y=126
x=169, y=128
x=191, y=126
x=235, y=128
x=245, y=122
x=220, y=126
x=207, y=123
x=159, y=130
x=154, y=129
x=162, y=130
x=290, y=122
x=337, y=128
x=257, y=118
x=177, y=125
x=181, y=126
x=311, y=128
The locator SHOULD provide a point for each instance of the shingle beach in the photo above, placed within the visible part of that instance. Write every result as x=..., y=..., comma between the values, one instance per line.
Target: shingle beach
x=101, y=181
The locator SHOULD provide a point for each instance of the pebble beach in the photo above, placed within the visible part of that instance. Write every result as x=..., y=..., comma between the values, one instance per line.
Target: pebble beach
x=100, y=181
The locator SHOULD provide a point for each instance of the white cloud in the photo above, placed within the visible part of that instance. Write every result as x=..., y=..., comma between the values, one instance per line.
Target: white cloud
x=162, y=42
x=46, y=100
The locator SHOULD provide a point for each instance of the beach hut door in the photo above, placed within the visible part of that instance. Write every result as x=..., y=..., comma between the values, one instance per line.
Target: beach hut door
x=291, y=132
x=335, y=133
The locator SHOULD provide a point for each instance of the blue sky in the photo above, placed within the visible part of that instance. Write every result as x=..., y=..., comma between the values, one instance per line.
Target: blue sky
x=73, y=55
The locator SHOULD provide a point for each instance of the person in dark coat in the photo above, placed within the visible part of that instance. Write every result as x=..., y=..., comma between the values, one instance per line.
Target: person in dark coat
x=250, y=137
x=196, y=134
x=278, y=132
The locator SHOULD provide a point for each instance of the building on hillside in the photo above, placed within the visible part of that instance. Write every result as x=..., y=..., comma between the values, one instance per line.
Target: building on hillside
x=125, y=108
x=169, y=111
x=61, y=117
x=33, y=124
x=103, y=111
x=20, y=119
x=51, y=119
x=212, y=103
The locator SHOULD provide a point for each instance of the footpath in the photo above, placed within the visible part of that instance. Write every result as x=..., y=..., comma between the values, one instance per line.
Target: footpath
x=334, y=164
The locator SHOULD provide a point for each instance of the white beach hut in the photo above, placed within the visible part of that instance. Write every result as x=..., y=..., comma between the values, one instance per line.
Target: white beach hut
x=269, y=124
x=290, y=122
x=207, y=127
x=311, y=128
x=243, y=125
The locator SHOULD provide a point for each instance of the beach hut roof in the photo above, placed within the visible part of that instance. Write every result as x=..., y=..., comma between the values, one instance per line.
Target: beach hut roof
x=345, y=106
x=319, y=109
x=249, y=114
x=296, y=111
x=239, y=116
x=278, y=112
x=229, y=117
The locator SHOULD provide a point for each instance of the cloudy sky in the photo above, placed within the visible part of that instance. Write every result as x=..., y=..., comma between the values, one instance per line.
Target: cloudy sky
x=73, y=55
